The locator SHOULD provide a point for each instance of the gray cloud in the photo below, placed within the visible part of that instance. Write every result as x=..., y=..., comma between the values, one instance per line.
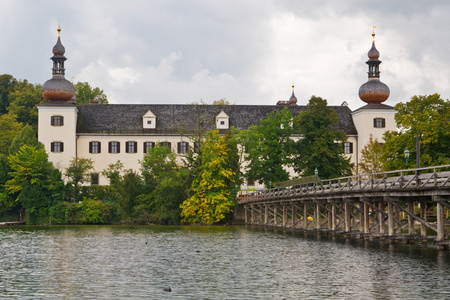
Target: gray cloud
x=249, y=52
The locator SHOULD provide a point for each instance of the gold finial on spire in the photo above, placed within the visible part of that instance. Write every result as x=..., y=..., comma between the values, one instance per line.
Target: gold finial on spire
x=373, y=33
x=73, y=77
x=59, y=30
x=292, y=87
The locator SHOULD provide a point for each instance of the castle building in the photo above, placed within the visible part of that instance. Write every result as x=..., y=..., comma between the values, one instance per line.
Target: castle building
x=112, y=132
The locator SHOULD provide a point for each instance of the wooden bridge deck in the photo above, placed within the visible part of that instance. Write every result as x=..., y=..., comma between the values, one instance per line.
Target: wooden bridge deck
x=403, y=204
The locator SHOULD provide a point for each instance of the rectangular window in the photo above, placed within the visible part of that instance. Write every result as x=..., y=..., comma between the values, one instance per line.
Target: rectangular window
x=94, y=178
x=57, y=121
x=57, y=147
x=166, y=144
x=183, y=147
x=348, y=147
x=114, y=147
x=379, y=123
x=197, y=147
x=149, y=122
x=95, y=147
x=147, y=145
x=131, y=147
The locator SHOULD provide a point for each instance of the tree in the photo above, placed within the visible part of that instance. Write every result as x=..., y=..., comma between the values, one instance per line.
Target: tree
x=7, y=84
x=167, y=185
x=211, y=199
x=129, y=187
x=24, y=100
x=78, y=172
x=85, y=93
x=10, y=128
x=30, y=180
x=321, y=146
x=371, y=157
x=222, y=101
x=425, y=119
x=26, y=137
x=113, y=172
x=269, y=147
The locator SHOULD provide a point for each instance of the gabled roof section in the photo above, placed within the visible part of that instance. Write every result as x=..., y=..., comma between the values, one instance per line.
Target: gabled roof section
x=149, y=114
x=184, y=118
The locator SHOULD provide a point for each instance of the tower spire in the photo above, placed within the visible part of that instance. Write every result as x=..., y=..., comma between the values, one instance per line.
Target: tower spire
x=374, y=91
x=58, y=88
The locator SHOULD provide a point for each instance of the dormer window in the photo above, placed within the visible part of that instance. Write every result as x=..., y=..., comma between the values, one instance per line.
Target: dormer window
x=222, y=121
x=149, y=120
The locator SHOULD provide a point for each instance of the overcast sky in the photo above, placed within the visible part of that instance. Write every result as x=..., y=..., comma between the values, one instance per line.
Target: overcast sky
x=249, y=52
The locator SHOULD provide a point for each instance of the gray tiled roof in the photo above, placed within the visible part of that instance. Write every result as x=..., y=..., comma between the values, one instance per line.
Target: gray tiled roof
x=127, y=118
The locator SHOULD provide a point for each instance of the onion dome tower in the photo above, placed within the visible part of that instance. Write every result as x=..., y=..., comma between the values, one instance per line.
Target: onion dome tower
x=374, y=91
x=293, y=99
x=58, y=88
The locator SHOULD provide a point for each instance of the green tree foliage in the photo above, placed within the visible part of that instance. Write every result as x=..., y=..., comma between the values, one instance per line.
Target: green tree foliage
x=79, y=173
x=84, y=93
x=114, y=172
x=167, y=186
x=24, y=100
x=371, y=157
x=222, y=101
x=10, y=128
x=7, y=84
x=129, y=188
x=322, y=144
x=426, y=118
x=269, y=147
x=212, y=198
x=31, y=181
x=26, y=137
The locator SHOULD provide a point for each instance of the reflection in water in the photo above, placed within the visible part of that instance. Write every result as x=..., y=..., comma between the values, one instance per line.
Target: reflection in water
x=234, y=262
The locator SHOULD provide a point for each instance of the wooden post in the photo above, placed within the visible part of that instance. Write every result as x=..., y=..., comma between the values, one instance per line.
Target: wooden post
x=391, y=229
x=266, y=214
x=439, y=219
x=275, y=215
x=294, y=216
x=252, y=214
x=381, y=218
x=361, y=216
x=347, y=217
x=285, y=217
x=333, y=216
x=245, y=214
x=317, y=216
x=366, y=218
x=411, y=219
x=423, y=216
x=305, y=216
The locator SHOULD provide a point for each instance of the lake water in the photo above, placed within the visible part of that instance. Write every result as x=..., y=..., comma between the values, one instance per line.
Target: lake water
x=230, y=262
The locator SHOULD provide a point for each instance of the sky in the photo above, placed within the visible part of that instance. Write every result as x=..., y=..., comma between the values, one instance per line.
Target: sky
x=246, y=51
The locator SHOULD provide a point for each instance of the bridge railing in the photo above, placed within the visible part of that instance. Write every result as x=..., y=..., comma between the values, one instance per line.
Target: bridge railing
x=437, y=176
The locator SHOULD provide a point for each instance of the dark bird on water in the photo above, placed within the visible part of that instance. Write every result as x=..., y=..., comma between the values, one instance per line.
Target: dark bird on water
x=167, y=289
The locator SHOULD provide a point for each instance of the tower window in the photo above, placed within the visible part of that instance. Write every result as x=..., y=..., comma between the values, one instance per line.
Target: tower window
x=131, y=147
x=57, y=121
x=57, y=147
x=379, y=122
x=183, y=147
x=114, y=147
x=95, y=147
x=147, y=145
x=348, y=147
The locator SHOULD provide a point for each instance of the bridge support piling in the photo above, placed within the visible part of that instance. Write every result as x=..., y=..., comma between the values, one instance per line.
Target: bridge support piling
x=423, y=216
x=285, y=215
x=294, y=215
x=382, y=218
x=348, y=217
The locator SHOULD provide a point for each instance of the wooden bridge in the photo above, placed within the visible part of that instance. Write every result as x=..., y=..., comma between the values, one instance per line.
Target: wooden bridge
x=409, y=205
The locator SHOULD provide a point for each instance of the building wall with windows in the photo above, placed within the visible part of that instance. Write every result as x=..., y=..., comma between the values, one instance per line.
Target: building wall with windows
x=373, y=121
